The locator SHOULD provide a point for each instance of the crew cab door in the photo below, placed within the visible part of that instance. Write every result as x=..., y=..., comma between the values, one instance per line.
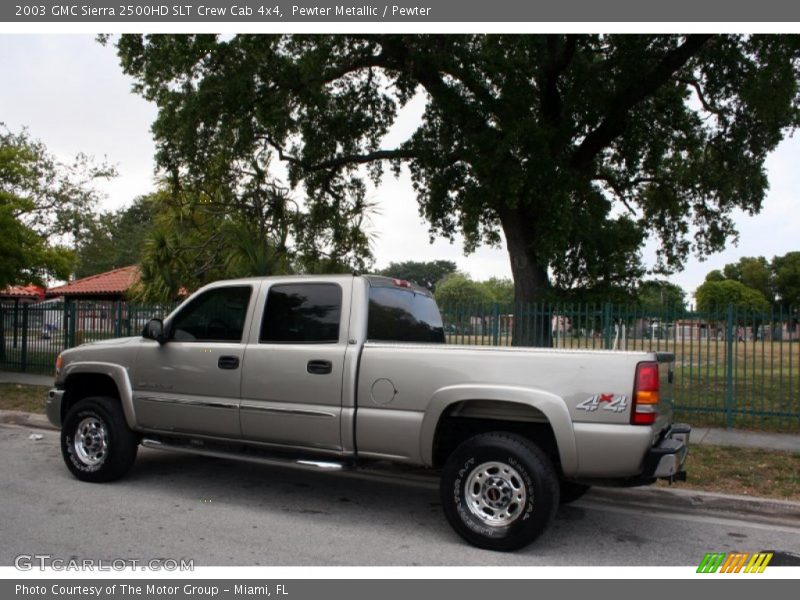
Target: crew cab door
x=192, y=383
x=292, y=377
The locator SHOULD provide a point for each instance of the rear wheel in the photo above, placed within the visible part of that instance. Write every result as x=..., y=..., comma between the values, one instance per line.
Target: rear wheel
x=499, y=491
x=96, y=443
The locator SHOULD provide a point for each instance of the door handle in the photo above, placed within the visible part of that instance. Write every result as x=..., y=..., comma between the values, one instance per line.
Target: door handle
x=319, y=367
x=228, y=362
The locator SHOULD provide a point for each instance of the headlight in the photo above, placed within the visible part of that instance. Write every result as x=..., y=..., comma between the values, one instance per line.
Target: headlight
x=59, y=363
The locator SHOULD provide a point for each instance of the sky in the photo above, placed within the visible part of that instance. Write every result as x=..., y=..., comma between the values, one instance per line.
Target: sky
x=69, y=92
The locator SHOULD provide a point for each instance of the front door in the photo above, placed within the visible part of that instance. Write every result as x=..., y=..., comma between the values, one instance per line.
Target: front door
x=192, y=383
x=292, y=378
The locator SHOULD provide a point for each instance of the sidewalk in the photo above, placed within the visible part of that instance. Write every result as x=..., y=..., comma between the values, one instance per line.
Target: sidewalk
x=788, y=442
x=26, y=378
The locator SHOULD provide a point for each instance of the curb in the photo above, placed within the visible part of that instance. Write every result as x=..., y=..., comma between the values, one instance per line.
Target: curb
x=754, y=509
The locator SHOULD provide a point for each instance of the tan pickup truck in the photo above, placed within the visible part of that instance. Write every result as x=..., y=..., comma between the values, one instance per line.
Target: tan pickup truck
x=349, y=371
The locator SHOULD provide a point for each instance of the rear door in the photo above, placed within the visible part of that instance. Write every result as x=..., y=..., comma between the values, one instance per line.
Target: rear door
x=292, y=378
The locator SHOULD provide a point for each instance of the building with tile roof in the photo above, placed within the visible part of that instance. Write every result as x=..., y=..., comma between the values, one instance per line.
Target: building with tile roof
x=111, y=285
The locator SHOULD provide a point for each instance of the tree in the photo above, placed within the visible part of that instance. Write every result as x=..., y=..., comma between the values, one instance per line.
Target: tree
x=43, y=203
x=426, y=274
x=459, y=290
x=786, y=271
x=716, y=296
x=577, y=148
x=115, y=239
x=753, y=272
x=656, y=296
x=199, y=236
x=500, y=290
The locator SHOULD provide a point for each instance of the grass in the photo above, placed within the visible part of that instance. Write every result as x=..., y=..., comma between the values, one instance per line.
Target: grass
x=743, y=471
x=28, y=398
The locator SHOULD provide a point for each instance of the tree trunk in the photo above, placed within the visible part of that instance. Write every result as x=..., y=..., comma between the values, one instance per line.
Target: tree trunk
x=531, y=317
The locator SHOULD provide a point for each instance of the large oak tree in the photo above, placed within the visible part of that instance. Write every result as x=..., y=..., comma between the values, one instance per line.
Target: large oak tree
x=576, y=148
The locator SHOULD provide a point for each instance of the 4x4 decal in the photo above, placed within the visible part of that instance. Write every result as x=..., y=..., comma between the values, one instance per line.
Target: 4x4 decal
x=612, y=402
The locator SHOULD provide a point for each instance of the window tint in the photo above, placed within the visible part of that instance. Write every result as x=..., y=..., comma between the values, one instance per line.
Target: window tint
x=302, y=313
x=400, y=315
x=215, y=316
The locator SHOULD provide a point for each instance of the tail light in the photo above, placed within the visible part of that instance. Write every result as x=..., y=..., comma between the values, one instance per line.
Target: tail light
x=645, y=394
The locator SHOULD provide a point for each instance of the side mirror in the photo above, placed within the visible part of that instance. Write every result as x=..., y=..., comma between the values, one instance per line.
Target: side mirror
x=154, y=330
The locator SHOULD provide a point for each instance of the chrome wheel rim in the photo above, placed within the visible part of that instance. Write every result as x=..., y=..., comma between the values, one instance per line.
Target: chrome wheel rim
x=91, y=441
x=495, y=493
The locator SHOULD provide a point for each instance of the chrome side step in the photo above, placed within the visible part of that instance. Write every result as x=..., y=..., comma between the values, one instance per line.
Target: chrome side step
x=260, y=458
x=370, y=470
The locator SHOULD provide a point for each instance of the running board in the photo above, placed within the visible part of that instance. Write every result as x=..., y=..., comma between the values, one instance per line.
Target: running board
x=260, y=458
x=370, y=470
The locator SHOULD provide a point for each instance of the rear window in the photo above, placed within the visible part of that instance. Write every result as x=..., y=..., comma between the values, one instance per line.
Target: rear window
x=401, y=315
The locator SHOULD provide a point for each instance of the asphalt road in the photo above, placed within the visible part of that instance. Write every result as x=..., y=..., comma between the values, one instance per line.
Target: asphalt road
x=220, y=512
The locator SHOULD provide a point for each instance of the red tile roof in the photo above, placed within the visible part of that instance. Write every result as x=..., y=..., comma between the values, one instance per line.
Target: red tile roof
x=116, y=282
x=34, y=292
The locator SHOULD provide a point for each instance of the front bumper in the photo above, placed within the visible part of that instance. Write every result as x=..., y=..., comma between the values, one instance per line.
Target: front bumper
x=53, y=406
x=666, y=458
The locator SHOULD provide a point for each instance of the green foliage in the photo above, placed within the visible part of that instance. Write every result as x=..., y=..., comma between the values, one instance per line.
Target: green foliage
x=43, y=204
x=578, y=148
x=755, y=273
x=197, y=238
x=500, y=290
x=115, y=239
x=656, y=296
x=458, y=289
x=426, y=274
x=786, y=271
x=715, y=275
x=718, y=295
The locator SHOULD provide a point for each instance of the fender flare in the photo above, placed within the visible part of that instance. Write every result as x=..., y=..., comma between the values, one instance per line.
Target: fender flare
x=550, y=405
x=117, y=373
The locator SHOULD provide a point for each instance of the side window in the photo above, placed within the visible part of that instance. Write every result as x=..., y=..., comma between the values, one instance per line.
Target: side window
x=217, y=315
x=306, y=313
x=397, y=315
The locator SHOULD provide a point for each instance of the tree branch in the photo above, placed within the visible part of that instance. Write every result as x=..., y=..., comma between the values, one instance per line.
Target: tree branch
x=629, y=96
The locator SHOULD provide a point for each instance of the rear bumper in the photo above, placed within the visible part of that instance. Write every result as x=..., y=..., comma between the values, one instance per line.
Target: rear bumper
x=666, y=458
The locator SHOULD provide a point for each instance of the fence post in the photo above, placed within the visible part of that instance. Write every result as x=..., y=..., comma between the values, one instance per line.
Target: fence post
x=118, y=320
x=496, y=326
x=607, y=324
x=24, y=353
x=73, y=325
x=729, y=345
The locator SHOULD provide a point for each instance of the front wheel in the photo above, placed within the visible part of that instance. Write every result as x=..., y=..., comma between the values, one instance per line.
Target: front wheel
x=96, y=443
x=499, y=491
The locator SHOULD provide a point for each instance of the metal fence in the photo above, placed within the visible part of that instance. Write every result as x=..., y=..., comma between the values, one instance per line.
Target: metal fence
x=732, y=368
x=31, y=336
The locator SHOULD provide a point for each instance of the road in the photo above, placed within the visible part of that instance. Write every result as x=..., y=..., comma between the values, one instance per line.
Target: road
x=220, y=512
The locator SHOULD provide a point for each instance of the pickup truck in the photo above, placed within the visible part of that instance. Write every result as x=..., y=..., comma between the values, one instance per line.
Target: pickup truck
x=349, y=371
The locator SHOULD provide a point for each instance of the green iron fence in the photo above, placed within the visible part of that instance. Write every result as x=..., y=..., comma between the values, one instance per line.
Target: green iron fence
x=32, y=335
x=732, y=368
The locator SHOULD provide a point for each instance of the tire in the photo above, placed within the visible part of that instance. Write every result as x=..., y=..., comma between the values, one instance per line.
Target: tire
x=96, y=443
x=514, y=493
x=570, y=492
